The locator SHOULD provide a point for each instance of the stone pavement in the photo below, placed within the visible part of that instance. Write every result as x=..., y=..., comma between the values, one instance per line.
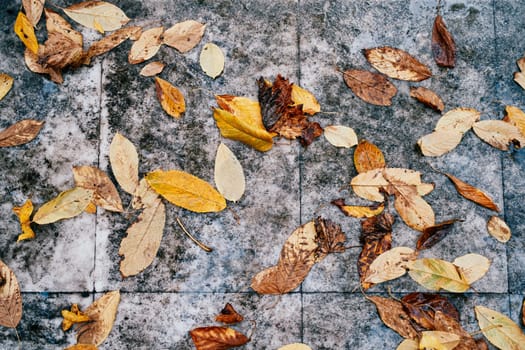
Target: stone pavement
x=308, y=41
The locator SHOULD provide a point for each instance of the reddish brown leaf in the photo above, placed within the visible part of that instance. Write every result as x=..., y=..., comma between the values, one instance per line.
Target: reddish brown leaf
x=370, y=87
x=427, y=97
x=397, y=64
x=217, y=338
x=422, y=308
x=20, y=133
x=228, y=315
x=472, y=193
x=449, y=324
x=443, y=45
x=310, y=133
x=394, y=316
x=434, y=234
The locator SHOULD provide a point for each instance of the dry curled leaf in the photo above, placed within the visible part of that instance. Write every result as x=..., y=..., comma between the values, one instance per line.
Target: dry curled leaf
x=146, y=46
x=217, y=338
x=472, y=193
x=73, y=316
x=152, y=69
x=66, y=205
x=184, y=36
x=228, y=315
x=499, y=134
x=99, y=15
x=443, y=45
x=25, y=31
x=370, y=87
x=434, y=234
x=124, y=161
x=171, y=99
x=422, y=308
x=211, y=60
x=472, y=267
x=6, y=83
x=368, y=156
x=436, y=274
x=427, y=97
x=305, y=98
x=10, y=298
x=32, y=63
x=60, y=51
x=394, y=316
x=340, y=136
x=330, y=238
x=359, y=211
x=500, y=330
x=397, y=64
x=109, y=42
x=390, y=265
x=33, y=10
x=105, y=193
x=228, y=174
x=20, y=133
x=102, y=314
x=519, y=77
x=516, y=117
x=498, y=229
x=24, y=214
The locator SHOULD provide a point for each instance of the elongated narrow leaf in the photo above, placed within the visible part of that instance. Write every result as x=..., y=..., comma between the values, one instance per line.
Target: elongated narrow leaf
x=359, y=211
x=186, y=191
x=82, y=347
x=146, y=46
x=433, y=234
x=105, y=193
x=340, y=136
x=499, y=134
x=229, y=176
x=368, y=156
x=500, y=330
x=102, y=314
x=443, y=45
x=66, y=205
x=427, y=97
x=171, y=99
x=394, y=316
x=20, y=133
x=472, y=267
x=99, y=15
x=6, y=83
x=370, y=87
x=217, y=338
x=109, y=42
x=33, y=10
x=212, y=60
x=472, y=193
x=390, y=265
x=498, y=229
x=25, y=31
x=10, y=298
x=184, y=36
x=24, y=216
x=124, y=161
x=397, y=64
x=436, y=274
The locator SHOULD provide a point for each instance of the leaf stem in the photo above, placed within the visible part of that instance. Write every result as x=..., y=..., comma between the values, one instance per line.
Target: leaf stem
x=195, y=240
x=486, y=329
x=18, y=338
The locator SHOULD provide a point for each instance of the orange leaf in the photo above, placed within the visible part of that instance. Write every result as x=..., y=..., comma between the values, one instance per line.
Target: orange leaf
x=368, y=156
x=217, y=338
x=228, y=315
x=72, y=317
x=370, y=87
x=472, y=193
x=427, y=97
x=170, y=98
x=24, y=213
x=20, y=133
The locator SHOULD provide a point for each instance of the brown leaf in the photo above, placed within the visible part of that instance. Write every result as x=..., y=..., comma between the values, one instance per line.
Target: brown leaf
x=481, y=344
x=427, y=97
x=394, y=316
x=433, y=234
x=152, y=69
x=397, y=64
x=310, y=133
x=105, y=195
x=31, y=61
x=358, y=211
x=523, y=312
x=184, y=36
x=82, y=347
x=57, y=24
x=422, y=308
x=498, y=229
x=60, y=51
x=443, y=45
x=228, y=315
x=146, y=46
x=102, y=313
x=109, y=42
x=33, y=10
x=171, y=99
x=217, y=338
x=20, y=133
x=472, y=193
x=443, y=322
x=370, y=87
x=10, y=298
x=368, y=156
x=330, y=238
x=519, y=77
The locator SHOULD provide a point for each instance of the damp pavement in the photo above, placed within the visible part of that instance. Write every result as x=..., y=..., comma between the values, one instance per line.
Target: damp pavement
x=310, y=42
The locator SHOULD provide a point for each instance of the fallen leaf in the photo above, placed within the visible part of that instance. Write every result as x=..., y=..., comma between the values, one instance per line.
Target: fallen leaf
x=25, y=31
x=443, y=322
x=408, y=344
x=472, y=193
x=24, y=216
x=32, y=63
x=310, y=133
x=242, y=108
x=144, y=196
x=124, y=161
x=109, y=42
x=152, y=69
x=170, y=98
x=439, y=142
x=481, y=344
x=394, y=316
x=423, y=307
x=73, y=316
x=472, y=267
x=186, y=191
x=184, y=36
x=99, y=15
x=82, y=347
x=390, y=265
x=217, y=338
x=519, y=77
x=33, y=10
x=330, y=238
x=498, y=229
x=105, y=194
x=6, y=83
x=295, y=346
x=142, y=242
x=516, y=117
x=443, y=45
x=499, y=134
x=433, y=234
x=370, y=87
x=500, y=330
x=427, y=97
x=460, y=119
x=228, y=315
x=358, y=211
x=146, y=46
x=228, y=174
x=340, y=136
x=438, y=340
x=436, y=274
x=66, y=205
x=55, y=23
x=368, y=156
x=10, y=298
x=305, y=98
x=20, y=133
x=397, y=64
x=211, y=60
x=60, y=51
x=91, y=208
x=102, y=314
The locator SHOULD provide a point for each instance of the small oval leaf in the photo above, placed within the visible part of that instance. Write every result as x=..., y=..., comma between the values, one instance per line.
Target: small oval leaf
x=229, y=176
x=340, y=136
x=212, y=60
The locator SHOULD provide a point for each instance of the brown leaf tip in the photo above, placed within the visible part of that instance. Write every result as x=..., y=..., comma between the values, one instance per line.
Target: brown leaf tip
x=330, y=237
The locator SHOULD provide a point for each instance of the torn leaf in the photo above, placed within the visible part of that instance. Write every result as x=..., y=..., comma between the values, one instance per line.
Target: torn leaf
x=228, y=315
x=427, y=97
x=6, y=83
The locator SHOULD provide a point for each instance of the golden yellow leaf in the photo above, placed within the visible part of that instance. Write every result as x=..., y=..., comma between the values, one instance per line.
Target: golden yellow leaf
x=340, y=136
x=152, y=69
x=519, y=77
x=91, y=208
x=459, y=119
x=186, y=191
x=242, y=108
x=295, y=346
x=427, y=97
x=368, y=156
x=25, y=31
x=146, y=46
x=102, y=313
x=408, y=344
x=439, y=142
x=10, y=298
x=498, y=229
x=397, y=64
x=516, y=117
x=98, y=15
x=72, y=317
x=472, y=267
x=359, y=211
x=66, y=205
x=82, y=347
x=55, y=23
x=33, y=10
x=438, y=340
x=229, y=176
x=212, y=60
x=140, y=246
x=170, y=98
x=110, y=41
x=124, y=161
x=144, y=196
x=24, y=214
x=6, y=83
x=390, y=265
x=32, y=63
x=304, y=97
x=105, y=193
x=499, y=134
x=184, y=36
x=436, y=274
x=500, y=330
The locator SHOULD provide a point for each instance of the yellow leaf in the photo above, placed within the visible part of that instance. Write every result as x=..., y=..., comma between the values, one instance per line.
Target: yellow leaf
x=66, y=205
x=91, y=208
x=390, y=265
x=500, y=330
x=10, y=298
x=295, y=346
x=499, y=229
x=102, y=314
x=186, y=191
x=152, y=69
x=184, y=36
x=359, y=211
x=304, y=97
x=170, y=98
x=519, y=77
x=439, y=142
x=436, y=274
x=147, y=46
x=33, y=10
x=24, y=213
x=340, y=136
x=72, y=317
x=212, y=60
x=472, y=267
x=99, y=15
x=516, y=117
x=438, y=340
x=124, y=161
x=229, y=176
x=499, y=134
x=26, y=33
x=408, y=344
x=6, y=83
x=140, y=246
x=242, y=108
